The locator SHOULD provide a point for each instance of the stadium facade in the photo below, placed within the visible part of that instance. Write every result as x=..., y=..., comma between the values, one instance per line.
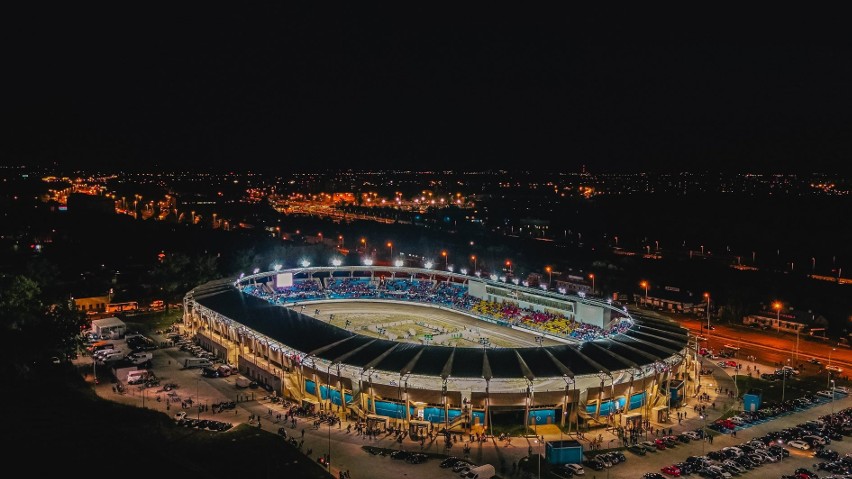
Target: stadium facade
x=629, y=367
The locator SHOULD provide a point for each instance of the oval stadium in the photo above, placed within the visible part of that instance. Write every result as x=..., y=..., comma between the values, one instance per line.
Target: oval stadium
x=418, y=347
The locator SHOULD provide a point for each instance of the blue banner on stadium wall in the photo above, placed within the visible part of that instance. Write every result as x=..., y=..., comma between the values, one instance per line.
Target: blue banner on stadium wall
x=453, y=413
x=480, y=415
x=311, y=388
x=541, y=416
x=637, y=400
x=606, y=406
x=433, y=414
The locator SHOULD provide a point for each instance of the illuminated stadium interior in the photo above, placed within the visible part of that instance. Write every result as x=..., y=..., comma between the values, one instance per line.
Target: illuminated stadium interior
x=420, y=345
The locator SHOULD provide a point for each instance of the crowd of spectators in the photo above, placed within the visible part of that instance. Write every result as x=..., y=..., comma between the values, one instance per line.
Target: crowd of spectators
x=444, y=293
x=346, y=288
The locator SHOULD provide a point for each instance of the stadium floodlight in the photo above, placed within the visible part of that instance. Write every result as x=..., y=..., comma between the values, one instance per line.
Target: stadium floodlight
x=256, y=270
x=503, y=279
x=368, y=262
x=305, y=263
x=493, y=277
x=450, y=268
x=463, y=271
x=399, y=263
x=581, y=294
x=336, y=262
x=277, y=267
x=428, y=265
x=563, y=291
x=478, y=273
x=242, y=275
x=608, y=300
x=516, y=281
x=543, y=286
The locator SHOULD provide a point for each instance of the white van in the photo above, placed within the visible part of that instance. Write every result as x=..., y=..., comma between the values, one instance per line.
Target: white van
x=485, y=471
x=111, y=357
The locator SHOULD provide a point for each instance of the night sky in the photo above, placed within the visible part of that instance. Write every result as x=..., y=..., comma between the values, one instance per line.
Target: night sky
x=277, y=90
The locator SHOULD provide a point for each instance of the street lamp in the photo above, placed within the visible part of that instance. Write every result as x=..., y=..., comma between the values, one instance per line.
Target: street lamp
x=390, y=245
x=473, y=257
x=827, y=368
x=592, y=277
x=707, y=296
x=832, y=396
x=549, y=275
x=364, y=242
x=446, y=259
x=703, y=432
x=509, y=265
x=644, y=284
x=784, y=382
x=777, y=306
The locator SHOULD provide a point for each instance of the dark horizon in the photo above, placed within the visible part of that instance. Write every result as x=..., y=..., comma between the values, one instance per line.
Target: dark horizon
x=319, y=93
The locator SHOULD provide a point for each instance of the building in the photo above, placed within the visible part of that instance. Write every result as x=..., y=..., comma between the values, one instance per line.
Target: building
x=323, y=366
x=109, y=327
x=672, y=299
x=790, y=321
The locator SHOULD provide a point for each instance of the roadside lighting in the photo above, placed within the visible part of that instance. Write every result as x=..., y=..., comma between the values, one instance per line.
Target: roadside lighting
x=777, y=307
x=473, y=258
x=644, y=284
x=592, y=277
x=549, y=274
x=707, y=296
x=446, y=259
x=390, y=245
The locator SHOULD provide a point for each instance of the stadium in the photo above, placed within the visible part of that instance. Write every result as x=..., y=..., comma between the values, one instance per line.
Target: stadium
x=422, y=348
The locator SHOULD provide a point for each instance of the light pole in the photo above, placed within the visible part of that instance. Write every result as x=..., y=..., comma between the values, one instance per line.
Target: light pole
x=703, y=432
x=473, y=257
x=777, y=306
x=549, y=275
x=784, y=383
x=390, y=245
x=644, y=284
x=707, y=296
x=829, y=365
x=446, y=259
x=832, y=396
x=364, y=243
x=509, y=265
x=592, y=277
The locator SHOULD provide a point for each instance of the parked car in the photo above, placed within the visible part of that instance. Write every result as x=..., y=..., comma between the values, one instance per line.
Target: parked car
x=637, y=449
x=671, y=471
x=799, y=444
x=578, y=469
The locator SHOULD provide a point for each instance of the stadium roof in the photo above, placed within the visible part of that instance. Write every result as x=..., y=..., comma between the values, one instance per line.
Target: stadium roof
x=648, y=341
